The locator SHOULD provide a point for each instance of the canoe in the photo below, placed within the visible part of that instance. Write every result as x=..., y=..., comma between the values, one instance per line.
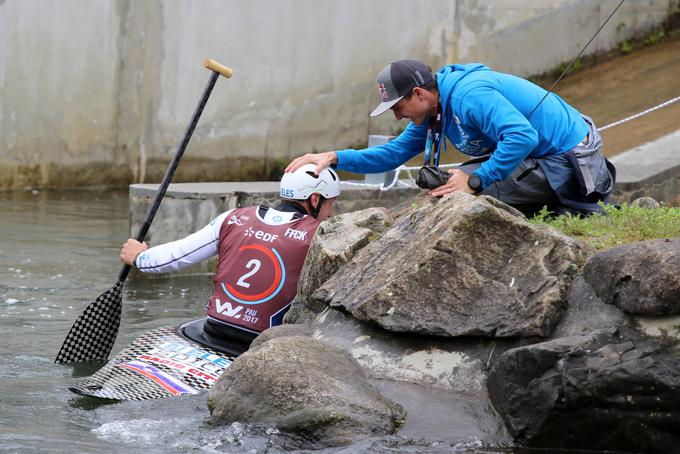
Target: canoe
x=161, y=363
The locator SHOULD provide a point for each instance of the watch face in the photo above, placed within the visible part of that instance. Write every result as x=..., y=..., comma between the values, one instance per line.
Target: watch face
x=475, y=182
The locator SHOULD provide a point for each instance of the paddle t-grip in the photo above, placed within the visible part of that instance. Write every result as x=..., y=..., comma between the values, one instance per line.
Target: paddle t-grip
x=217, y=67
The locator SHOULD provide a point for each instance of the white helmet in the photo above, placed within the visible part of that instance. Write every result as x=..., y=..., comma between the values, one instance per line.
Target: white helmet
x=302, y=183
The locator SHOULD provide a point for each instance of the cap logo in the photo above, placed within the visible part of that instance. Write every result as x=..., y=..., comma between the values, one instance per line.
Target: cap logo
x=382, y=90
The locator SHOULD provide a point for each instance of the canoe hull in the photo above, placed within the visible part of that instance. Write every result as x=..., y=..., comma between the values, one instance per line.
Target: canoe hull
x=160, y=363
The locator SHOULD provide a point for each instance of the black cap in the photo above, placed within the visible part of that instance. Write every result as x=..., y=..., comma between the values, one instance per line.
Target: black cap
x=397, y=79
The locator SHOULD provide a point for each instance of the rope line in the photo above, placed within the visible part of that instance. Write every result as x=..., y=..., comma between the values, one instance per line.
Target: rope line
x=402, y=168
x=639, y=114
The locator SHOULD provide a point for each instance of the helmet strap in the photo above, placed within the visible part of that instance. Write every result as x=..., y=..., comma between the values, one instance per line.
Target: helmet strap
x=317, y=208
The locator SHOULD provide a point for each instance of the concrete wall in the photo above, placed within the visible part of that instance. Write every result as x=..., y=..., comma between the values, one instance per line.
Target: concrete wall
x=650, y=170
x=59, y=72
x=100, y=91
x=531, y=36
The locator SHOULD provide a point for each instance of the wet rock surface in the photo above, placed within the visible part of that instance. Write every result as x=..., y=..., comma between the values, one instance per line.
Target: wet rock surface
x=305, y=387
x=613, y=390
x=641, y=278
x=459, y=266
x=440, y=382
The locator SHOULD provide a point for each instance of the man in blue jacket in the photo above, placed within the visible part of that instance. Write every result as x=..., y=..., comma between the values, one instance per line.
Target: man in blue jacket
x=531, y=150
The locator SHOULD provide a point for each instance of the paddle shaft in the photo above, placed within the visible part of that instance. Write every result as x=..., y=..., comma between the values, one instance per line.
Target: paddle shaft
x=94, y=332
x=172, y=168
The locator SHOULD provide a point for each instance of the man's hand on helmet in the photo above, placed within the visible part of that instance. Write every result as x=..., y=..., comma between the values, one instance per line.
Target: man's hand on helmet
x=302, y=183
x=321, y=160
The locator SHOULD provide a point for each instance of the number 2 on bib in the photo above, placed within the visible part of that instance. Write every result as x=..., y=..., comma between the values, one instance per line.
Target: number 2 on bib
x=255, y=264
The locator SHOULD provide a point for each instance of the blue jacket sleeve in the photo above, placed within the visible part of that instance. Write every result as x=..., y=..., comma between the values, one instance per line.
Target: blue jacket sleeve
x=490, y=112
x=382, y=158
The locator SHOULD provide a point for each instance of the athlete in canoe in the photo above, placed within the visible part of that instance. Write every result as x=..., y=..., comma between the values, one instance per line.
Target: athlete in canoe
x=260, y=252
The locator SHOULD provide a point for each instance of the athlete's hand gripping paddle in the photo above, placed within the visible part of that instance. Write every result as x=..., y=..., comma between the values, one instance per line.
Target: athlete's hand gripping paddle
x=92, y=335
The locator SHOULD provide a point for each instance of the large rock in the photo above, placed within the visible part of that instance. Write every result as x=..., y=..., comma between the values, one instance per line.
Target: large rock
x=282, y=331
x=641, y=278
x=305, y=387
x=459, y=266
x=603, y=390
x=336, y=242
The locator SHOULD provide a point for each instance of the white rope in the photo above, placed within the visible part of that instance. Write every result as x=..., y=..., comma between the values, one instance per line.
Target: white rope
x=396, y=182
x=637, y=115
x=369, y=185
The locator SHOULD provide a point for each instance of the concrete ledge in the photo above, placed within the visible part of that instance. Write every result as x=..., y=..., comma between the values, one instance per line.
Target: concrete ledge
x=652, y=169
x=188, y=207
x=210, y=190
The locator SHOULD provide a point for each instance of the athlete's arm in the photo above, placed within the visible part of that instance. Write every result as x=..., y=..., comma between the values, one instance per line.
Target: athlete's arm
x=180, y=254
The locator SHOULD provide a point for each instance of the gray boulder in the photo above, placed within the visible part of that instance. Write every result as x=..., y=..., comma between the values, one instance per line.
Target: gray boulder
x=645, y=202
x=459, y=266
x=336, y=242
x=641, y=278
x=304, y=387
x=282, y=331
x=605, y=390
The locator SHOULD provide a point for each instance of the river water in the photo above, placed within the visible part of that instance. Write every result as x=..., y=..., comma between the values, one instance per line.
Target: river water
x=58, y=252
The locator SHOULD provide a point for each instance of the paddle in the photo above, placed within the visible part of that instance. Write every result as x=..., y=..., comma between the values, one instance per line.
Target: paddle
x=92, y=335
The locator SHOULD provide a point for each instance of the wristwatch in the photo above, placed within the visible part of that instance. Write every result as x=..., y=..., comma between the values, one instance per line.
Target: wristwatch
x=475, y=183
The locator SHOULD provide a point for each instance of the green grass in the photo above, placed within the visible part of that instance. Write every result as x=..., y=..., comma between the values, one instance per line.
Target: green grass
x=616, y=226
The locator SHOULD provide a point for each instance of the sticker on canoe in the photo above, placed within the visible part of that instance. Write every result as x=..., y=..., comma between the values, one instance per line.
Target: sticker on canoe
x=158, y=364
x=163, y=379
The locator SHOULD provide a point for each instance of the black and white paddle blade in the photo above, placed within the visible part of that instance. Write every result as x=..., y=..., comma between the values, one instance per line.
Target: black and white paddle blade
x=92, y=335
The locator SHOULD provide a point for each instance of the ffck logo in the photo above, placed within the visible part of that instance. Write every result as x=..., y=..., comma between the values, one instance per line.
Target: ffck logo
x=227, y=309
x=260, y=235
x=296, y=234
